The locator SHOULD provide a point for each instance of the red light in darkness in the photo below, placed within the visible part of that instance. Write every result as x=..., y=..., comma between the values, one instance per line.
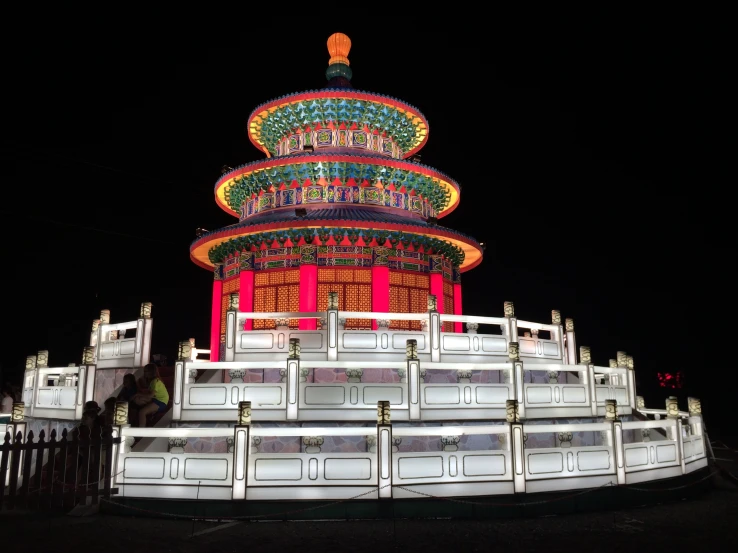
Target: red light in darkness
x=670, y=380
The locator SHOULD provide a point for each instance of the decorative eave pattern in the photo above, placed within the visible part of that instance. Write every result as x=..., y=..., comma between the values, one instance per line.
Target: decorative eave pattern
x=362, y=222
x=238, y=185
x=274, y=120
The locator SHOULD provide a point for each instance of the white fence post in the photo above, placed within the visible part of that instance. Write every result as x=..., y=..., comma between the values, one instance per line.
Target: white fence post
x=631, y=383
x=413, y=379
x=241, y=447
x=435, y=328
x=384, y=450
x=179, y=385
x=332, y=322
x=517, y=448
x=672, y=413
x=616, y=441
x=571, y=342
x=592, y=388
x=293, y=379
x=517, y=377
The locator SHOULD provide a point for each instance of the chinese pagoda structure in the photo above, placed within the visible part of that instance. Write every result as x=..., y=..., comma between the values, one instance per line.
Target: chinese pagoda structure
x=339, y=205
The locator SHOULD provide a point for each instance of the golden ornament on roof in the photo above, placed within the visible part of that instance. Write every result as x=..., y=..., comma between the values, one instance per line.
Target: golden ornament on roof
x=338, y=47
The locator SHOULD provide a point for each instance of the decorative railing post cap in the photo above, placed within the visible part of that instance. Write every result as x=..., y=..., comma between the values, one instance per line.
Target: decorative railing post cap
x=383, y=412
x=146, y=310
x=555, y=317
x=88, y=355
x=411, y=349
x=332, y=300
x=585, y=354
x=121, y=413
x=184, y=351
x=512, y=411
x=672, y=407
x=640, y=402
x=244, y=413
x=613, y=363
x=432, y=302
x=694, y=406
x=611, y=409
x=95, y=325
x=233, y=302
x=294, y=348
x=31, y=362
x=18, y=412
x=569, y=325
x=105, y=316
x=629, y=362
x=509, y=309
x=514, y=351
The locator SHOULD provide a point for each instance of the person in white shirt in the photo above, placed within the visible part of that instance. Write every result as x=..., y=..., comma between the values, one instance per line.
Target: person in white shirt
x=6, y=407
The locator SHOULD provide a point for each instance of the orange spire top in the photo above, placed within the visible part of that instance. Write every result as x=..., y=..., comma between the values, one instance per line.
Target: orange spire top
x=338, y=47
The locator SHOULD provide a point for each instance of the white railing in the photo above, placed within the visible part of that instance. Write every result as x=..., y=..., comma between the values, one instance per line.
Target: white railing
x=58, y=392
x=336, y=342
x=476, y=468
x=112, y=352
x=295, y=399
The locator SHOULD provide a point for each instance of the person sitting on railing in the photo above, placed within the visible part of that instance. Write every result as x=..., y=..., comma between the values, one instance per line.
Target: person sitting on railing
x=154, y=398
x=128, y=393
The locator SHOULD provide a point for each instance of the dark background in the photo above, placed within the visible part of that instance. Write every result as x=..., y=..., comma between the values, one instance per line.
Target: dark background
x=587, y=158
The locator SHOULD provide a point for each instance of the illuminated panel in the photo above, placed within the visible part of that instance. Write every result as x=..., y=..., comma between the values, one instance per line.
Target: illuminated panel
x=408, y=294
x=354, y=292
x=277, y=290
x=230, y=286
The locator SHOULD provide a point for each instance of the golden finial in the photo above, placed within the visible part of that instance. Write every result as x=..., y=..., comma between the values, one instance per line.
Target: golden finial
x=338, y=47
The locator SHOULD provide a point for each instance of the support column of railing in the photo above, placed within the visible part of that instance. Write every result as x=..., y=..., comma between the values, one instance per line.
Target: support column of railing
x=556, y=320
x=332, y=322
x=31, y=368
x=143, y=336
x=672, y=413
x=120, y=424
x=517, y=376
x=384, y=450
x=571, y=342
x=631, y=382
x=293, y=379
x=509, y=311
x=435, y=328
x=17, y=425
x=694, y=406
x=241, y=448
x=413, y=379
x=179, y=386
x=517, y=441
x=585, y=358
x=616, y=438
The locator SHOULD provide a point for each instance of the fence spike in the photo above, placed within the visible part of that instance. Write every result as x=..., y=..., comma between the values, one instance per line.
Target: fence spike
x=29, y=437
x=41, y=435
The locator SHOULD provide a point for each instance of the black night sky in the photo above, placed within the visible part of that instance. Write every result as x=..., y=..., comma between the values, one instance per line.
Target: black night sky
x=586, y=161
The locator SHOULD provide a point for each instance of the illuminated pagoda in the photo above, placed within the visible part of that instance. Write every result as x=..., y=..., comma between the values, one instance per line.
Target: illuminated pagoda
x=339, y=205
x=341, y=366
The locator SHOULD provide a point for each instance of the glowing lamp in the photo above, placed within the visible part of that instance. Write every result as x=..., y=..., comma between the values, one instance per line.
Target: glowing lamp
x=244, y=413
x=146, y=310
x=509, y=309
x=694, y=406
x=569, y=325
x=611, y=409
x=383, y=412
x=514, y=352
x=512, y=411
x=294, y=348
x=18, y=410
x=105, y=317
x=555, y=317
x=121, y=413
x=411, y=349
x=88, y=355
x=585, y=355
x=432, y=302
x=339, y=46
x=30, y=362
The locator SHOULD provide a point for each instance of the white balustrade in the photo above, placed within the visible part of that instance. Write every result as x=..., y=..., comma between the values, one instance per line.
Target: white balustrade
x=112, y=352
x=59, y=393
x=386, y=471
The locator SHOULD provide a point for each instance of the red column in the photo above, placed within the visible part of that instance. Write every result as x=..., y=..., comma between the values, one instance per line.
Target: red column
x=308, y=295
x=458, y=327
x=380, y=291
x=246, y=295
x=216, y=312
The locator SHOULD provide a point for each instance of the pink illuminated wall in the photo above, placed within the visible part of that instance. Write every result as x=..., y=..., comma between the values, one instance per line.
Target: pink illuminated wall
x=246, y=296
x=458, y=327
